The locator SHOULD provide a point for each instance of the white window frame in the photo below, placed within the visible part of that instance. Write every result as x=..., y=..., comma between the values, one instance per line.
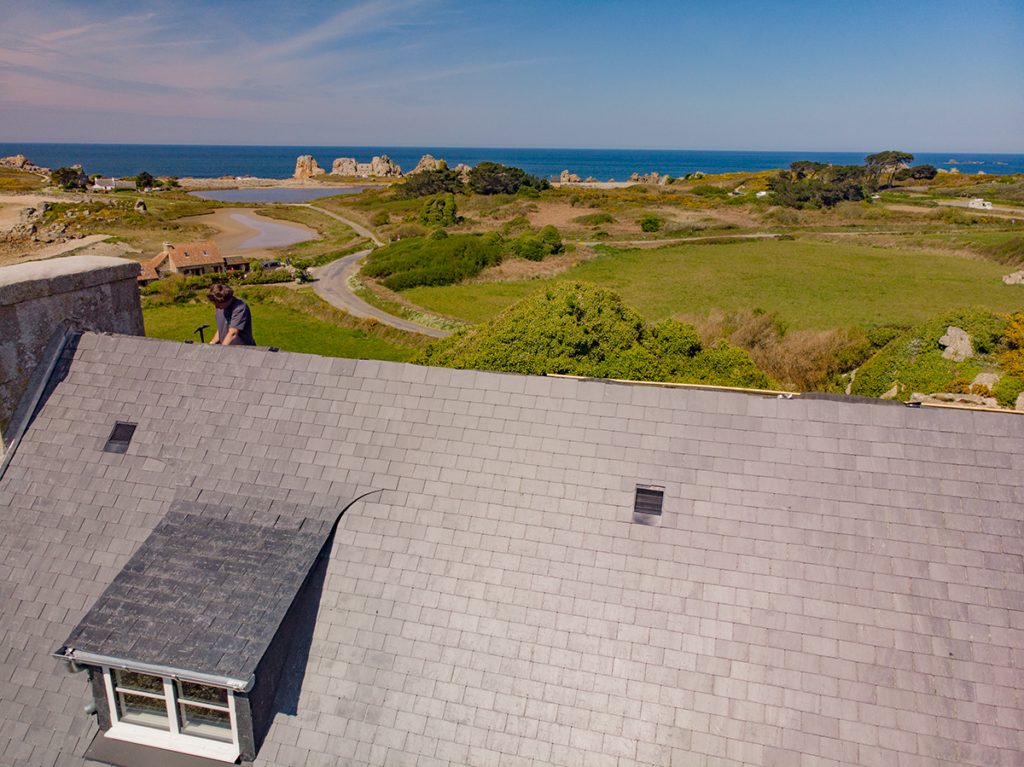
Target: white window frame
x=173, y=739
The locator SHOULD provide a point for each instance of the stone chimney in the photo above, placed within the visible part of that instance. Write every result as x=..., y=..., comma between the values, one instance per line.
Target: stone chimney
x=91, y=293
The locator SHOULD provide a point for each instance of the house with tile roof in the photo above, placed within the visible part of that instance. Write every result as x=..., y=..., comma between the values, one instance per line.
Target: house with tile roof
x=190, y=259
x=241, y=554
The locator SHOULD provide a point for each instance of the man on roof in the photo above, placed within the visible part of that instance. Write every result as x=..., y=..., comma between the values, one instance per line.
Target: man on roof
x=234, y=321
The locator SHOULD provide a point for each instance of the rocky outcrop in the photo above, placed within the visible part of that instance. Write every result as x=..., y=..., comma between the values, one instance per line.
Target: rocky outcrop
x=427, y=162
x=378, y=167
x=1017, y=278
x=463, y=170
x=648, y=178
x=140, y=206
x=957, y=343
x=946, y=398
x=307, y=167
x=569, y=178
x=385, y=167
x=20, y=162
x=344, y=166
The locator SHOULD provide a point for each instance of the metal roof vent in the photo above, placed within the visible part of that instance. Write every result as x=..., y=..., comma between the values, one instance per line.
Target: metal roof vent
x=647, y=504
x=120, y=437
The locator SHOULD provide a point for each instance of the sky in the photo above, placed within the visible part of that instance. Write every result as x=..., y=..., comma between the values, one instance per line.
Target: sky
x=772, y=75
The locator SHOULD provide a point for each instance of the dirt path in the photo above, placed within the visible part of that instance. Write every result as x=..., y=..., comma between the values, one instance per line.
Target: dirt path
x=359, y=228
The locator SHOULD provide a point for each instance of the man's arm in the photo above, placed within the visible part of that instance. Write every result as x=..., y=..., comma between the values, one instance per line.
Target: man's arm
x=216, y=338
x=231, y=338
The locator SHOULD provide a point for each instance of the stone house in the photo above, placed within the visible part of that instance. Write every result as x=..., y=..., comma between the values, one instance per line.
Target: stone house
x=237, y=553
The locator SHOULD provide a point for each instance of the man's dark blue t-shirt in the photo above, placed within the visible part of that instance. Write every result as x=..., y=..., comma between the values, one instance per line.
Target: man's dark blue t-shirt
x=235, y=315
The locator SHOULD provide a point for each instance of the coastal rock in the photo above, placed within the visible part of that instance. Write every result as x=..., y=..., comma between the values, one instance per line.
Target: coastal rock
x=385, y=167
x=463, y=170
x=1017, y=278
x=344, y=166
x=307, y=167
x=140, y=206
x=569, y=178
x=957, y=343
x=427, y=162
x=379, y=167
x=648, y=178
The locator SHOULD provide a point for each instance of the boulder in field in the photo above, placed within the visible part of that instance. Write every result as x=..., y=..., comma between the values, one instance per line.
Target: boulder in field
x=957, y=343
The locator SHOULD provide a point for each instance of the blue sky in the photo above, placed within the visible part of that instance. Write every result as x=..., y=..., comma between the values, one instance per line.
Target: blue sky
x=728, y=74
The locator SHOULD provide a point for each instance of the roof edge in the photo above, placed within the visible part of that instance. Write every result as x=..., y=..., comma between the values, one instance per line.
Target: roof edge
x=83, y=658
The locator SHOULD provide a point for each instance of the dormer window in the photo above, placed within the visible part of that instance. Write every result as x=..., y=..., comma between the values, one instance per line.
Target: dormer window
x=172, y=714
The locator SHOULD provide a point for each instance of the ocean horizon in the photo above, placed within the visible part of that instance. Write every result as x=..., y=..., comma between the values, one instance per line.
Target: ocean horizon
x=278, y=162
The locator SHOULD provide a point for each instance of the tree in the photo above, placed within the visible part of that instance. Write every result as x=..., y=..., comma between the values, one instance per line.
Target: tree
x=926, y=172
x=492, y=178
x=886, y=164
x=69, y=178
x=427, y=182
x=144, y=180
x=807, y=169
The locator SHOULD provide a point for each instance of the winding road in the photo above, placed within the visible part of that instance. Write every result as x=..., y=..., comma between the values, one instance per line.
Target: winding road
x=332, y=285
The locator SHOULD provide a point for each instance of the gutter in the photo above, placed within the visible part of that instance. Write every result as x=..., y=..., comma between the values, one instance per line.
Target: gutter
x=76, y=658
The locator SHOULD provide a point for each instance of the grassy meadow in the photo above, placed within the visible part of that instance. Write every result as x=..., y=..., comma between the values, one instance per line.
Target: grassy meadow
x=296, y=321
x=810, y=284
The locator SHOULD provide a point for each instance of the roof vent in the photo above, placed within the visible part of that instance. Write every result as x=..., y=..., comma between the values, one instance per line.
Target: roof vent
x=120, y=437
x=647, y=504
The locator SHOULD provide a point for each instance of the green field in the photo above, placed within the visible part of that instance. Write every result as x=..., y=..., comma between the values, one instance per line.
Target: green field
x=275, y=325
x=813, y=285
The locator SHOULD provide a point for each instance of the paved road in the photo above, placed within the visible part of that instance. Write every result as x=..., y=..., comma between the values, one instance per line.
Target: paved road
x=331, y=285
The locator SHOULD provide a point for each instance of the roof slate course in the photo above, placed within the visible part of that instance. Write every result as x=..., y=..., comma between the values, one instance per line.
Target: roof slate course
x=832, y=583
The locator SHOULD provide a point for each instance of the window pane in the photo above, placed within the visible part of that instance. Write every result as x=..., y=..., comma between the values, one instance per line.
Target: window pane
x=202, y=693
x=144, y=682
x=205, y=722
x=138, y=709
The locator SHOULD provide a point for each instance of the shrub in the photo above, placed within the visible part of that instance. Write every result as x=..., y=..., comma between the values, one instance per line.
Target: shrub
x=492, y=178
x=707, y=190
x=439, y=212
x=1007, y=389
x=528, y=192
x=650, y=222
x=580, y=329
x=419, y=261
x=428, y=182
x=519, y=222
x=528, y=246
x=551, y=238
x=959, y=386
x=380, y=218
x=802, y=360
x=914, y=360
x=439, y=234
x=883, y=334
x=594, y=219
x=408, y=231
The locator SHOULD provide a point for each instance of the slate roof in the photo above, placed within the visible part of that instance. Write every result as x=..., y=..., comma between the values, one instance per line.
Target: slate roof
x=209, y=587
x=832, y=583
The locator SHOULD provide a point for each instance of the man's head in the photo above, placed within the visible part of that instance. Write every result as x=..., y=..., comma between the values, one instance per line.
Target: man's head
x=220, y=295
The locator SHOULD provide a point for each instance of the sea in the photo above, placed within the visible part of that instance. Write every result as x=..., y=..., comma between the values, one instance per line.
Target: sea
x=278, y=162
